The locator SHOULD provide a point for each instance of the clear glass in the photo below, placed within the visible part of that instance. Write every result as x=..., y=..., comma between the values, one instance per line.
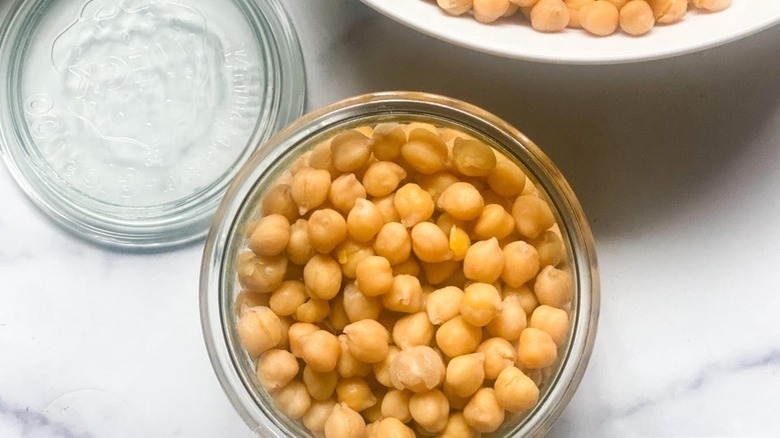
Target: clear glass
x=125, y=120
x=219, y=284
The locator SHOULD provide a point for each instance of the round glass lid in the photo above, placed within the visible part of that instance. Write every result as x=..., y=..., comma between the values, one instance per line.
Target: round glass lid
x=125, y=120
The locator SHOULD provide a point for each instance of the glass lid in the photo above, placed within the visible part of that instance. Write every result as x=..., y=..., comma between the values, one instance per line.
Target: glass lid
x=125, y=120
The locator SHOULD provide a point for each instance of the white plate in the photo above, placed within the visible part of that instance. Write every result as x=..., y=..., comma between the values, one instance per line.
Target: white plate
x=514, y=38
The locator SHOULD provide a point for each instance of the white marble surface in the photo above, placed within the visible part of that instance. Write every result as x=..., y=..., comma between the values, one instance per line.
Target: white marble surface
x=675, y=161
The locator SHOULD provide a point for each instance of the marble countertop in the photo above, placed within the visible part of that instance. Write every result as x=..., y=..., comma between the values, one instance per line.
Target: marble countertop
x=675, y=162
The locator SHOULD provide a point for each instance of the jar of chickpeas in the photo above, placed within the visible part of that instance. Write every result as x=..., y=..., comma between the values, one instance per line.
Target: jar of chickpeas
x=396, y=265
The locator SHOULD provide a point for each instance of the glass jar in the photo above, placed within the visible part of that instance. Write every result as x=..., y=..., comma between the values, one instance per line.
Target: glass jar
x=219, y=283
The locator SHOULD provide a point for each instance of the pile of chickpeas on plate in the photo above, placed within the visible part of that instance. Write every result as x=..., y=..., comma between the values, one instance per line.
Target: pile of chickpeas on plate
x=403, y=279
x=598, y=17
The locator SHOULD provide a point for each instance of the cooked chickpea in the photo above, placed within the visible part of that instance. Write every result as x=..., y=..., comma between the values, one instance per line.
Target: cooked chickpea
x=251, y=299
x=455, y=402
x=526, y=296
x=367, y=340
x=321, y=386
x=358, y=306
x=550, y=248
x=413, y=204
x=295, y=334
x=521, y=263
x=668, y=11
x=382, y=178
x=438, y=273
x=480, y=304
x=278, y=200
x=465, y=374
x=499, y=354
x=373, y=414
x=276, y=368
x=430, y=410
x=309, y=189
x=600, y=18
x=343, y=422
x=344, y=191
x=472, y=157
x=437, y=183
x=457, y=428
x=456, y=337
x=549, y=16
x=327, y=228
x=484, y=261
x=636, y=18
x=407, y=267
x=293, y=400
x=322, y=277
x=349, y=255
x=455, y=7
x=388, y=139
x=494, y=221
x=393, y=243
x=536, y=349
x=386, y=206
x=488, y=11
x=355, y=393
x=288, y=297
x=259, y=330
x=350, y=150
x=515, y=391
x=337, y=317
x=396, y=405
x=553, y=321
x=462, y=201
x=429, y=243
x=393, y=428
x=483, y=412
x=506, y=179
x=405, y=295
x=299, y=250
x=553, y=287
x=425, y=151
x=322, y=159
x=374, y=276
x=532, y=215
x=459, y=242
x=418, y=369
x=314, y=419
x=348, y=365
x=364, y=221
x=712, y=5
x=443, y=304
x=510, y=321
x=320, y=350
x=260, y=273
x=413, y=330
x=382, y=368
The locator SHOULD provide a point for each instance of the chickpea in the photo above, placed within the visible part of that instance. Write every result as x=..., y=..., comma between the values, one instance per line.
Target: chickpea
x=532, y=215
x=536, y=349
x=488, y=11
x=668, y=11
x=355, y=393
x=712, y=5
x=499, y=354
x=506, y=179
x=600, y=18
x=327, y=228
x=405, y=295
x=515, y=391
x=438, y=273
x=407, y=267
x=350, y=150
x=526, y=296
x=393, y=428
x=299, y=250
x=386, y=206
x=437, y=183
x=459, y=242
x=276, y=368
x=396, y=405
x=259, y=330
x=321, y=386
x=494, y=221
x=444, y=304
x=382, y=178
x=549, y=16
x=425, y=151
x=314, y=310
x=430, y=244
x=483, y=412
x=364, y=221
x=430, y=410
x=484, y=261
x=413, y=330
x=481, y=302
x=344, y=191
x=458, y=428
x=287, y=298
x=358, y=306
x=367, y=340
x=259, y=273
x=374, y=276
x=521, y=263
x=296, y=333
x=455, y=402
x=314, y=419
x=465, y=374
x=343, y=422
x=553, y=287
x=455, y=7
x=413, y=204
x=309, y=189
x=382, y=368
x=320, y=350
x=293, y=400
x=337, y=317
x=373, y=414
x=462, y=201
x=471, y=157
x=348, y=365
x=321, y=158
x=393, y=243
x=349, y=255
x=636, y=18
x=278, y=200
x=550, y=248
x=388, y=139
x=418, y=369
x=456, y=337
x=553, y=321
x=510, y=321
x=251, y=299
x=322, y=277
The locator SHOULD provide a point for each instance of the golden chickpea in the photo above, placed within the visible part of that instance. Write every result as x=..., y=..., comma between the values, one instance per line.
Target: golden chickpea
x=367, y=340
x=418, y=369
x=314, y=419
x=320, y=350
x=472, y=157
x=288, y=297
x=358, y=306
x=396, y=405
x=364, y=221
x=278, y=200
x=465, y=374
x=405, y=295
x=293, y=400
x=456, y=337
x=374, y=276
x=443, y=304
x=276, y=368
x=636, y=18
x=349, y=255
x=296, y=332
x=494, y=221
x=481, y=302
x=553, y=321
x=344, y=191
x=322, y=277
x=484, y=261
x=382, y=178
x=259, y=273
x=259, y=330
x=515, y=391
x=355, y=393
x=425, y=151
x=382, y=368
x=506, y=179
x=343, y=422
x=549, y=16
x=459, y=242
x=455, y=7
x=437, y=183
x=388, y=139
x=327, y=228
x=309, y=189
x=550, y=248
x=386, y=206
x=499, y=354
x=429, y=243
x=446, y=222
x=526, y=296
x=600, y=18
x=553, y=287
x=348, y=365
x=521, y=263
x=413, y=204
x=373, y=413
x=393, y=243
x=455, y=402
x=532, y=215
x=350, y=150
x=712, y=5
x=322, y=159
x=251, y=299
x=536, y=349
x=407, y=267
x=393, y=428
x=413, y=330
x=483, y=412
x=488, y=11
x=462, y=201
x=299, y=250
x=438, y=273
x=458, y=428
x=430, y=410
x=321, y=386
x=668, y=11
x=510, y=321
x=314, y=310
